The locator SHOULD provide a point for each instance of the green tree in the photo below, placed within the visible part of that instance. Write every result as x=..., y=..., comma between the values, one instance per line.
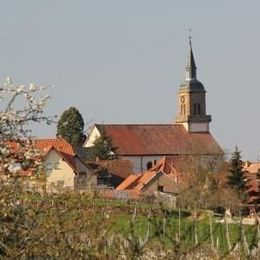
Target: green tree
x=71, y=126
x=237, y=179
x=103, y=148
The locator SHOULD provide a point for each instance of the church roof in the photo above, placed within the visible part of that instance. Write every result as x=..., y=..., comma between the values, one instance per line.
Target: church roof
x=191, y=66
x=192, y=85
x=159, y=139
x=191, y=82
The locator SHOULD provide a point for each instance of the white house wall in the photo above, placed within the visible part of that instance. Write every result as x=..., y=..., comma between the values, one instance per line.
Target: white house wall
x=58, y=172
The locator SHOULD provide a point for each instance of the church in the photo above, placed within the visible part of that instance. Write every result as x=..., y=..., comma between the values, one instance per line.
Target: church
x=188, y=135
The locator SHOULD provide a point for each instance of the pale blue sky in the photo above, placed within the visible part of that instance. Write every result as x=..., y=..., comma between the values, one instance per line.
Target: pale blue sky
x=122, y=61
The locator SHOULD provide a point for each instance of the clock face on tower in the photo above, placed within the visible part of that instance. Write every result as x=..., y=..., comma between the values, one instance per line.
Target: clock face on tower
x=182, y=99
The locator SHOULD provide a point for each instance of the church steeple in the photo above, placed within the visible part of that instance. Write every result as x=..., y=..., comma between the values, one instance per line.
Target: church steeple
x=191, y=66
x=192, y=99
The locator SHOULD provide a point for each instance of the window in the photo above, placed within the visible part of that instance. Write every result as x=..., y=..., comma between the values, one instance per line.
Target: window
x=183, y=109
x=149, y=165
x=160, y=188
x=198, y=109
x=195, y=109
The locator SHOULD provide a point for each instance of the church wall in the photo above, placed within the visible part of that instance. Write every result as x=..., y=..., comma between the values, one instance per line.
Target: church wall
x=140, y=162
x=90, y=140
x=199, y=127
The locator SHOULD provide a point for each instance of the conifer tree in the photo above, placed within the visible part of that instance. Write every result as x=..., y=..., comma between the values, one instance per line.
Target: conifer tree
x=257, y=195
x=71, y=126
x=237, y=178
x=103, y=148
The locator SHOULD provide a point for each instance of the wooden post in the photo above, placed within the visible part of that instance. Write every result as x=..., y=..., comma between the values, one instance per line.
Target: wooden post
x=179, y=225
x=211, y=230
x=227, y=235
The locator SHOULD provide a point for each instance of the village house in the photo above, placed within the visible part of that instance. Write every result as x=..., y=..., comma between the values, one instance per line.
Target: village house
x=169, y=175
x=110, y=173
x=164, y=181
x=145, y=144
x=63, y=168
x=150, y=182
x=252, y=174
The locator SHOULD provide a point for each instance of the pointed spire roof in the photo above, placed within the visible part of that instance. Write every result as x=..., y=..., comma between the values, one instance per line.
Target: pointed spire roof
x=191, y=82
x=191, y=66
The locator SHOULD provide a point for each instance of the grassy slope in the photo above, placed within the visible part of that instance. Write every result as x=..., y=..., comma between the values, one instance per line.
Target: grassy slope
x=79, y=215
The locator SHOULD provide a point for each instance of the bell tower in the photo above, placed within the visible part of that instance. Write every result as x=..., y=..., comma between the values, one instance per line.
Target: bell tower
x=192, y=99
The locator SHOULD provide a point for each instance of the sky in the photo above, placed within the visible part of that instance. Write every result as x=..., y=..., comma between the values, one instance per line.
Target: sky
x=122, y=61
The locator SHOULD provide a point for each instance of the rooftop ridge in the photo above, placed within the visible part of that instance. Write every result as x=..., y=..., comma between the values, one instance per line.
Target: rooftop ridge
x=136, y=124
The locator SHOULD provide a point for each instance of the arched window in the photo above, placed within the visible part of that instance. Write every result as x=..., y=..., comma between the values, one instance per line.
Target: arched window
x=149, y=165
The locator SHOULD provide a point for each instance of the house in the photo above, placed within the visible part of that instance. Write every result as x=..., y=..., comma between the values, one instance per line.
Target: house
x=114, y=172
x=189, y=135
x=110, y=173
x=252, y=181
x=252, y=175
x=63, y=168
x=149, y=183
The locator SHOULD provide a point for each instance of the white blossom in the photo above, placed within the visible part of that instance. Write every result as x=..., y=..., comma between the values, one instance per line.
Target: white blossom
x=19, y=105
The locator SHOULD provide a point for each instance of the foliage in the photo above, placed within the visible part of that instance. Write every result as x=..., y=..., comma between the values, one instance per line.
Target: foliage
x=75, y=226
x=71, y=127
x=20, y=105
x=199, y=191
x=103, y=148
x=237, y=179
x=199, y=188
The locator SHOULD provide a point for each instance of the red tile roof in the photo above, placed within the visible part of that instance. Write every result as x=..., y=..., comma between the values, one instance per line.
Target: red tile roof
x=178, y=167
x=128, y=181
x=121, y=168
x=173, y=166
x=252, y=167
x=144, y=179
x=159, y=139
x=59, y=144
x=138, y=182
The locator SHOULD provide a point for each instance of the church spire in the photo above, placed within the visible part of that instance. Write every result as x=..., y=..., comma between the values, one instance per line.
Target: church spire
x=192, y=100
x=191, y=66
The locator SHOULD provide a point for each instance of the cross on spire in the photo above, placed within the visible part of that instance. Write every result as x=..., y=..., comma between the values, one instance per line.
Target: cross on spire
x=190, y=31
